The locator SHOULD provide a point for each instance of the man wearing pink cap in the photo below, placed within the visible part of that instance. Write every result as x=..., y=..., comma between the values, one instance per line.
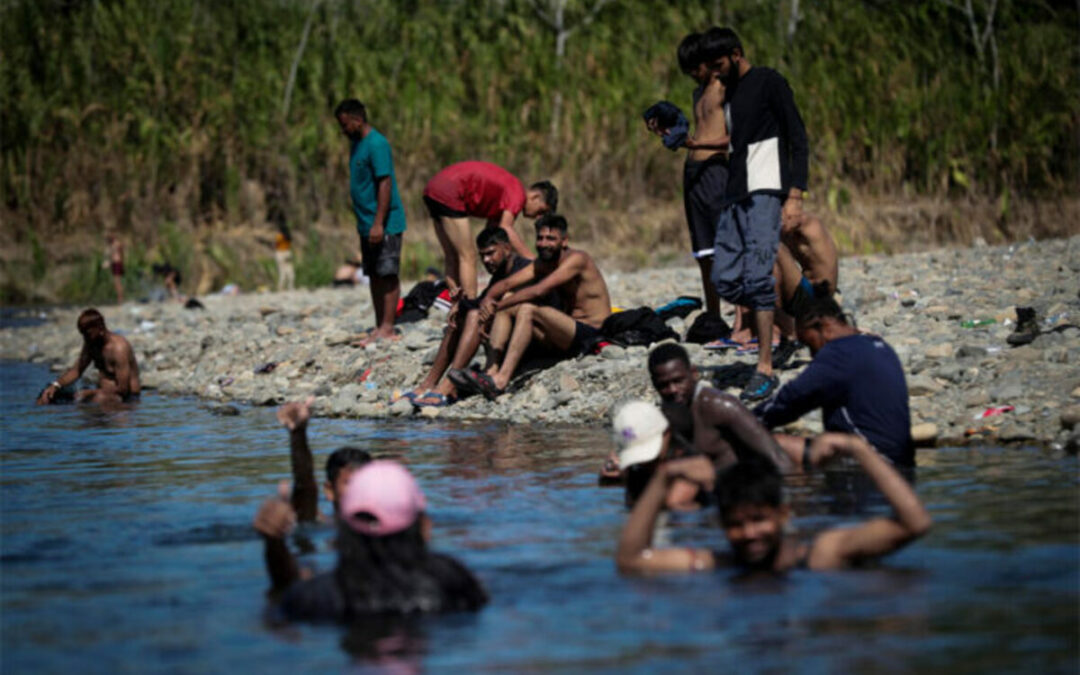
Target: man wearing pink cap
x=384, y=565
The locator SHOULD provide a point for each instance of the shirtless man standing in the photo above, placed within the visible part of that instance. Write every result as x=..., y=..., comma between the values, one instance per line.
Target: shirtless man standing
x=111, y=355
x=574, y=276
x=706, y=169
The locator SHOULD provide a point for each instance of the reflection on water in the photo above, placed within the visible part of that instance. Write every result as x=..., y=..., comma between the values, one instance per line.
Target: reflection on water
x=126, y=544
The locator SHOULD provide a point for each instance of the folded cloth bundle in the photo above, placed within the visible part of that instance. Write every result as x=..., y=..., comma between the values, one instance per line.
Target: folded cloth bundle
x=669, y=117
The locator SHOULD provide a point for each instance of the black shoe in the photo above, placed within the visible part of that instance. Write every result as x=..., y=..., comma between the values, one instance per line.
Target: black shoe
x=784, y=351
x=760, y=387
x=1027, y=327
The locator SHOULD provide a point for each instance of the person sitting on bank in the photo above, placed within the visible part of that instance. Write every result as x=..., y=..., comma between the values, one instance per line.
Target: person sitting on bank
x=462, y=337
x=856, y=379
x=754, y=517
x=384, y=566
x=480, y=190
x=574, y=277
x=113, y=357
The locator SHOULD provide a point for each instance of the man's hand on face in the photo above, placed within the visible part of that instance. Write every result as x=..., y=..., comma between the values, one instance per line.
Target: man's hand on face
x=698, y=470
x=294, y=415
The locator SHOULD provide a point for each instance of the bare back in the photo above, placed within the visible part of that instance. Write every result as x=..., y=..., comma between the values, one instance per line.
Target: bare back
x=709, y=119
x=116, y=360
x=814, y=249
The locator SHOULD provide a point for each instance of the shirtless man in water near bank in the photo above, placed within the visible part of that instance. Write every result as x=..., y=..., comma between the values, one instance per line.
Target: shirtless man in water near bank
x=111, y=355
x=574, y=276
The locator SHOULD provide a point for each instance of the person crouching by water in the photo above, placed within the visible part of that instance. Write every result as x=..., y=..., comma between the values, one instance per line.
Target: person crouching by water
x=384, y=565
x=113, y=357
x=753, y=515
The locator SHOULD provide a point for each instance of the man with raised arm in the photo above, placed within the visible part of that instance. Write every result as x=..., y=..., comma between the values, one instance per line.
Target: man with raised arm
x=480, y=190
x=113, y=357
x=574, y=277
x=752, y=513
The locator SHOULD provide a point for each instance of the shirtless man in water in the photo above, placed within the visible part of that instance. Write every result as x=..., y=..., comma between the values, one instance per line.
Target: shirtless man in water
x=111, y=355
x=574, y=276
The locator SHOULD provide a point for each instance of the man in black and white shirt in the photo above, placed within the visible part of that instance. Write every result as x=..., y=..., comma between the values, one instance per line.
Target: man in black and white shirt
x=768, y=175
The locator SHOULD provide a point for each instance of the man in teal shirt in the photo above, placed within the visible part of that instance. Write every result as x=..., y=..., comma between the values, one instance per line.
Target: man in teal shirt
x=380, y=219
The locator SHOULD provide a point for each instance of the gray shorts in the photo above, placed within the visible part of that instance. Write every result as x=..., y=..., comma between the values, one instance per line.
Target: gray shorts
x=382, y=260
x=747, y=236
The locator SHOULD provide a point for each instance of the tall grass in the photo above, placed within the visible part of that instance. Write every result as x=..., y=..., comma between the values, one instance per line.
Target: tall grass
x=129, y=114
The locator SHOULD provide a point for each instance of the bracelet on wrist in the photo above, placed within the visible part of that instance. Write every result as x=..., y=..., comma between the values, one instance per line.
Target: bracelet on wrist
x=56, y=383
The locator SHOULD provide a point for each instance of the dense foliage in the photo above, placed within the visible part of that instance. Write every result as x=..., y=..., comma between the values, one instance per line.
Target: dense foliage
x=130, y=113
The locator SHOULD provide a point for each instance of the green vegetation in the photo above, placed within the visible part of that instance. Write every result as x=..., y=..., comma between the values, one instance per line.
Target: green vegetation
x=130, y=115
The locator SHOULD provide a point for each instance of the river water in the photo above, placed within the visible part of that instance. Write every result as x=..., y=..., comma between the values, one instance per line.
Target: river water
x=127, y=547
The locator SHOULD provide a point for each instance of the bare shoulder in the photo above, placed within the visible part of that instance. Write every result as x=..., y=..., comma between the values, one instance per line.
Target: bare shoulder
x=117, y=346
x=721, y=403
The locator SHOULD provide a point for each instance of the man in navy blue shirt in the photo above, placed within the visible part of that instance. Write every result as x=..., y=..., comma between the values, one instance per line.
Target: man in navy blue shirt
x=856, y=380
x=768, y=168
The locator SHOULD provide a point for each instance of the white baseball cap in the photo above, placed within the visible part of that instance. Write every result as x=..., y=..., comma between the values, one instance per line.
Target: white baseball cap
x=639, y=433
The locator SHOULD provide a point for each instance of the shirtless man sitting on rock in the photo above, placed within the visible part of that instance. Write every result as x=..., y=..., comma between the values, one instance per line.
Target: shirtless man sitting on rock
x=111, y=355
x=574, y=276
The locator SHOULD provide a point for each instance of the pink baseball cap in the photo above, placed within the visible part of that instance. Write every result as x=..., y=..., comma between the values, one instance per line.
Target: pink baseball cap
x=381, y=498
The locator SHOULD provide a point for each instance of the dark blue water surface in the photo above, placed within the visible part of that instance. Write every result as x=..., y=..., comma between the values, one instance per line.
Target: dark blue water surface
x=127, y=547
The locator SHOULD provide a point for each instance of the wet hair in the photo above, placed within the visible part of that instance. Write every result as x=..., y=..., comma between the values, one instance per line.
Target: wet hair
x=552, y=221
x=352, y=108
x=549, y=192
x=397, y=574
x=754, y=481
x=669, y=351
x=689, y=53
x=718, y=42
x=343, y=457
x=489, y=236
x=89, y=317
x=822, y=306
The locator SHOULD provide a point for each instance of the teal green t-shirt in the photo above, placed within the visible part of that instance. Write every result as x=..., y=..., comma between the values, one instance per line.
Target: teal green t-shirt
x=369, y=159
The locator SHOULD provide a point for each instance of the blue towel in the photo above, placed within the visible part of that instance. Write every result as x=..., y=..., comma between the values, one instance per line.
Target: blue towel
x=669, y=117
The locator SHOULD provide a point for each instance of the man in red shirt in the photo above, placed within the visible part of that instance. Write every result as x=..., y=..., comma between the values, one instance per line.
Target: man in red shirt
x=480, y=190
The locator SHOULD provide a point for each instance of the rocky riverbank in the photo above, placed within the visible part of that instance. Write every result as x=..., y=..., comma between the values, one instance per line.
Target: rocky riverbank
x=918, y=302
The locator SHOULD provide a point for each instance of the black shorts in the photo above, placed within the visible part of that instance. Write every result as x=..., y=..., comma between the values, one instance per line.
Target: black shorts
x=797, y=304
x=383, y=260
x=704, y=185
x=585, y=338
x=440, y=210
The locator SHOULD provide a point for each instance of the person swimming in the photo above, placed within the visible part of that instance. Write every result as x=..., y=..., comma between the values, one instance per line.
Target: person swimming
x=752, y=513
x=384, y=565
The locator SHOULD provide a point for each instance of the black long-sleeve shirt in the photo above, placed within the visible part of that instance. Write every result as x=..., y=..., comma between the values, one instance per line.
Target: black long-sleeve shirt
x=769, y=150
x=858, y=383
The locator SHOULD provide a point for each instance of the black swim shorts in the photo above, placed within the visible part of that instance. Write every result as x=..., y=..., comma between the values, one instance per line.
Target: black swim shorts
x=440, y=210
x=384, y=259
x=585, y=338
x=704, y=185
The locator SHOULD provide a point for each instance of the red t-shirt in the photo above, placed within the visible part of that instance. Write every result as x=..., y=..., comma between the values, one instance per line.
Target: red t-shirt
x=480, y=189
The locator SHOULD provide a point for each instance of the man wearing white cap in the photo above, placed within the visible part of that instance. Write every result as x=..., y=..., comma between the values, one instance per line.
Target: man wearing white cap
x=643, y=437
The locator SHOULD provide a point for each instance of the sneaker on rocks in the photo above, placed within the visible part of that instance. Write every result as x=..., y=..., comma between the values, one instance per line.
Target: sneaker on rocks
x=760, y=387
